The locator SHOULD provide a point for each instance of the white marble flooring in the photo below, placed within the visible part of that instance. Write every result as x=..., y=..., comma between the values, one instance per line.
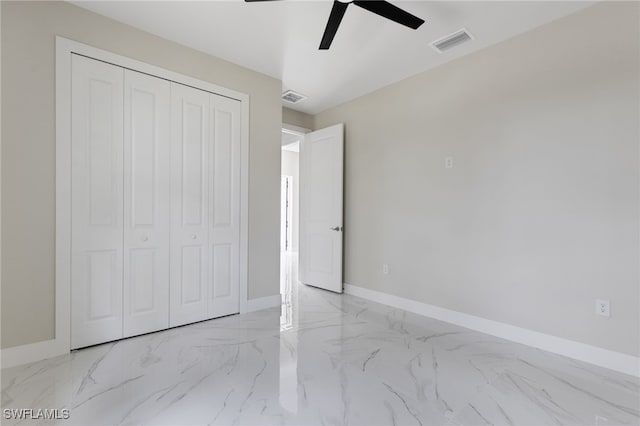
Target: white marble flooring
x=324, y=359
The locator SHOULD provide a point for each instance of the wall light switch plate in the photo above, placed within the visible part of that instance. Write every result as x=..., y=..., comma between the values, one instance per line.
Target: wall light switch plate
x=603, y=308
x=448, y=162
x=385, y=269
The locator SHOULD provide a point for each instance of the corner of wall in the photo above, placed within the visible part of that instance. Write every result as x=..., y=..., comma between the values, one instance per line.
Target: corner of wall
x=297, y=118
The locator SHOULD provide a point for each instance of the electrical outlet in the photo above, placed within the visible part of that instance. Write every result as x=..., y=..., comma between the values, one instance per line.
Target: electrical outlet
x=448, y=162
x=385, y=269
x=603, y=308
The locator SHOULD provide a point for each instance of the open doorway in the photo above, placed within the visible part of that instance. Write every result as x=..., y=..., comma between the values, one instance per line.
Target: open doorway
x=290, y=179
x=312, y=208
x=289, y=214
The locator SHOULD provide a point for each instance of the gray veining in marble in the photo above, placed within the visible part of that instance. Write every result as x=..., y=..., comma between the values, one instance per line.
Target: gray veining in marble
x=323, y=359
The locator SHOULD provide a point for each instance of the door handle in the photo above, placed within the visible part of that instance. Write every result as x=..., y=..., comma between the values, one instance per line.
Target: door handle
x=336, y=228
x=144, y=238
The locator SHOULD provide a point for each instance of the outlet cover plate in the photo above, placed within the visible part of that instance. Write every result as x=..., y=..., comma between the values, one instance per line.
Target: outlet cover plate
x=603, y=308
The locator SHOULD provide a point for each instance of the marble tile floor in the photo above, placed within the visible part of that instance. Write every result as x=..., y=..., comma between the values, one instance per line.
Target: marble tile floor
x=323, y=359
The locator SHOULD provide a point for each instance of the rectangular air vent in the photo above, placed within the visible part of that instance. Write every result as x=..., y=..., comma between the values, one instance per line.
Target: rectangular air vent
x=452, y=40
x=293, y=97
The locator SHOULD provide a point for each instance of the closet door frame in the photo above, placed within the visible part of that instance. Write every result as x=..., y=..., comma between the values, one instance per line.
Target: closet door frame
x=65, y=48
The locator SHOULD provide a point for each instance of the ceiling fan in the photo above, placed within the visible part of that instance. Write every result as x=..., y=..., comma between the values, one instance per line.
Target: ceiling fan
x=379, y=7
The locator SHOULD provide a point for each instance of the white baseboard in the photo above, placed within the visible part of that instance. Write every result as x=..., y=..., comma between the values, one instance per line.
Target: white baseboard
x=264, y=303
x=32, y=352
x=592, y=354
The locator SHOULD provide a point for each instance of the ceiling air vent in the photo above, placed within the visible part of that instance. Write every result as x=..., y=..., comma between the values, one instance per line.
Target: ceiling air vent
x=293, y=97
x=452, y=40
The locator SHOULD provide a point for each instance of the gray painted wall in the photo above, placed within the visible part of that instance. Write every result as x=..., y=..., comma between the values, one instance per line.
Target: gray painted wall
x=540, y=215
x=297, y=118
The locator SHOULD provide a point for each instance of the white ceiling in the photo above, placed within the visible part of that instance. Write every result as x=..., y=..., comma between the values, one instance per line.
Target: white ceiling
x=281, y=39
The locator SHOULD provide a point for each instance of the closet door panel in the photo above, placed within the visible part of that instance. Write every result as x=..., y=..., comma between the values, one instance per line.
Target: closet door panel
x=147, y=190
x=190, y=119
x=97, y=202
x=224, y=208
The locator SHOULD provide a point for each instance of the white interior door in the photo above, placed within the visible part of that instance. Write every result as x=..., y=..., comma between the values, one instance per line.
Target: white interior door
x=321, y=177
x=147, y=180
x=190, y=120
x=97, y=202
x=224, y=207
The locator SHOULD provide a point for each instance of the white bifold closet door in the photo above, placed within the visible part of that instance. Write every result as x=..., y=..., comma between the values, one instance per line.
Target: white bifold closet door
x=121, y=200
x=189, y=204
x=155, y=203
x=147, y=201
x=97, y=202
x=224, y=208
x=205, y=187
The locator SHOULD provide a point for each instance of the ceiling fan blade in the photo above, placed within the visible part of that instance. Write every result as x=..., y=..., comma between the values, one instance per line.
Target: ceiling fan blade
x=337, y=12
x=389, y=11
